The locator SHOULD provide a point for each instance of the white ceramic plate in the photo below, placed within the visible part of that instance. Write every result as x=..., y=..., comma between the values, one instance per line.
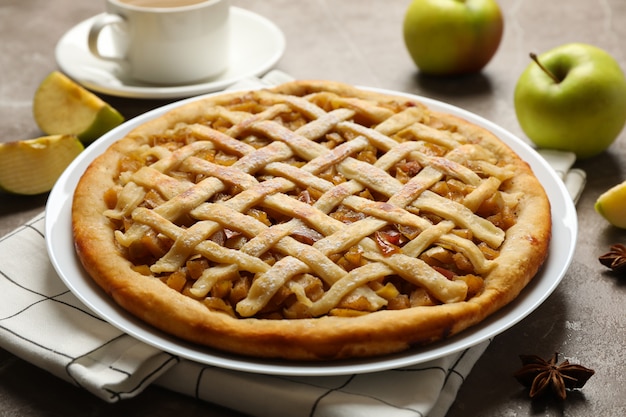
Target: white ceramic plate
x=257, y=44
x=60, y=248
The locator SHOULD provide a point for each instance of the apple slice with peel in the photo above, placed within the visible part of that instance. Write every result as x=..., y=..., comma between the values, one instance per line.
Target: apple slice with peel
x=612, y=205
x=32, y=166
x=62, y=107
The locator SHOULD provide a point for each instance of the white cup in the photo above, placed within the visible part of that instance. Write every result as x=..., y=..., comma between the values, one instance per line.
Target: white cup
x=165, y=42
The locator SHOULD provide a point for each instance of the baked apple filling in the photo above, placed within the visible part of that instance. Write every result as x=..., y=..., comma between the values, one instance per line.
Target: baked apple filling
x=276, y=206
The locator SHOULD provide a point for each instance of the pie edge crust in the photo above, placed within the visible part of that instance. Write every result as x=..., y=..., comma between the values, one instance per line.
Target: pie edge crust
x=324, y=338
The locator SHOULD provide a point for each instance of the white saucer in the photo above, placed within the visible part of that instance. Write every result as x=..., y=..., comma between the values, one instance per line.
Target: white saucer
x=257, y=44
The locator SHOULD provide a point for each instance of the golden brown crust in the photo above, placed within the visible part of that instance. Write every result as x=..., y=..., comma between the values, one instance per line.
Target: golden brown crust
x=322, y=338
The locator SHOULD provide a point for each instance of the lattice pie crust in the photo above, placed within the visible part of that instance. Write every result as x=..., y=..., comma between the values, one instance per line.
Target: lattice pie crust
x=311, y=221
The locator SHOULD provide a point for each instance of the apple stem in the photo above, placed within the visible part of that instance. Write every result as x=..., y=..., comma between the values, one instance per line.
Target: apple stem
x=534, y=57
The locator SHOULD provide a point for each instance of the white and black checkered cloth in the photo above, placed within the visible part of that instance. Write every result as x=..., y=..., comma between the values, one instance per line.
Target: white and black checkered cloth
x=42, y=322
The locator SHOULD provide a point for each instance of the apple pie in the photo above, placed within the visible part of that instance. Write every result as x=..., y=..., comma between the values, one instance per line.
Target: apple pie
x=310, y=221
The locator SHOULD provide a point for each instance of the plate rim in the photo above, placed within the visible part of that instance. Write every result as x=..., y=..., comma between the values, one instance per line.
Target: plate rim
x=564, y=220
x=172, y=92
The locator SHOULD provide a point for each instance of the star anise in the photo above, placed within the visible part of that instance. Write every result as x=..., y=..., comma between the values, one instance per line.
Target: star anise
x=541, y=375
x=615, y=259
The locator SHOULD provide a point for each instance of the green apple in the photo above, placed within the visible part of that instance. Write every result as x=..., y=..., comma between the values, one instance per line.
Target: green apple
x=612, y=205
x=32, y=166
x=452, y=37
x=572, y=98
x=62, y=107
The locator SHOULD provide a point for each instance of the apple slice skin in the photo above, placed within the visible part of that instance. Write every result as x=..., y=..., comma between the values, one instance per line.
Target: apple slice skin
x=452, y=37
x=106, y=119
x=583, y=113
x=62, y=107
x=32, y=166
x=612, y=205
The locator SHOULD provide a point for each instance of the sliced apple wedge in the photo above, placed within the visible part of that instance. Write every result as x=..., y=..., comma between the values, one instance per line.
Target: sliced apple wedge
x=62, y=107
x=612, y=205
x=32, y=166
